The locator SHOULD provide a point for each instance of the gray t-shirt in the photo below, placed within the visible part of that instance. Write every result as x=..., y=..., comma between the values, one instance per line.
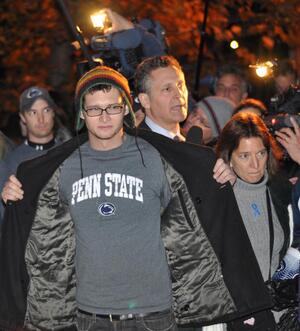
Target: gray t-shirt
x=9, y=165
x=121, y=265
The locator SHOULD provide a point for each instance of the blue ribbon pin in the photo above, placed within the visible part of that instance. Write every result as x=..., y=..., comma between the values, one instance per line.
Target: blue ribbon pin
x=255, y=209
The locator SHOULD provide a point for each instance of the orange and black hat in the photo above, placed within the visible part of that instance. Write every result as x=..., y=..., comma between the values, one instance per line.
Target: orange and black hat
x=98, y=76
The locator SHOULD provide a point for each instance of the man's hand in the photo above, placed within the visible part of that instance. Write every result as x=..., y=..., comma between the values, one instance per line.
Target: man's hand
x=290, y=140
x=12, y=190
x=223, y=173
x=118, y=22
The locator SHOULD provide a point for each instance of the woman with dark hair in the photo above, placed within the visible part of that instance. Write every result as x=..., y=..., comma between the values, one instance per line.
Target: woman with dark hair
x=263, y=196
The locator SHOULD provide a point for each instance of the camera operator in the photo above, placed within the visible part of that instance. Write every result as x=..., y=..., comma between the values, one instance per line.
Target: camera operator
x=289, y=138
x=283, y=111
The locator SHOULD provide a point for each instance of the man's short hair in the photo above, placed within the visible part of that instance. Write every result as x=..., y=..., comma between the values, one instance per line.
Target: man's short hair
x=231, y=69
x=150, y=64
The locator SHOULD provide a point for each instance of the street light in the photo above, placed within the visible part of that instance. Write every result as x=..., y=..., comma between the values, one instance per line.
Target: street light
x=263, y=69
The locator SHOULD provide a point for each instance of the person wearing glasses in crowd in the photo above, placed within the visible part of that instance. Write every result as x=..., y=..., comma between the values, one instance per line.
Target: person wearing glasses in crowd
x=112, y=232
x=231, y=83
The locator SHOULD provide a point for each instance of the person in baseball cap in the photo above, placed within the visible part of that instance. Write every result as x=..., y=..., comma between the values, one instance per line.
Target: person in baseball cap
x=37, y=115
x=30, y=95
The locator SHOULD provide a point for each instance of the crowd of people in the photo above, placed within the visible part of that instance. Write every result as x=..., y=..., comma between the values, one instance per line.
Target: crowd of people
x=178, y=221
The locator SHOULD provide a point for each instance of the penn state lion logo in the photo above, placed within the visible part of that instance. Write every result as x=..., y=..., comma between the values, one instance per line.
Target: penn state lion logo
x=106, y=209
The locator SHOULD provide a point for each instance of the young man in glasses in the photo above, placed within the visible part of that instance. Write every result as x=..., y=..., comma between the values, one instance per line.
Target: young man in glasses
x=145, y=252
x=104, y=124
x=113, y=188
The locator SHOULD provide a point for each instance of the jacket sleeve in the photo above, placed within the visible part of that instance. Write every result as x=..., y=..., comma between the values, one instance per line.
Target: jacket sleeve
x=296, y=213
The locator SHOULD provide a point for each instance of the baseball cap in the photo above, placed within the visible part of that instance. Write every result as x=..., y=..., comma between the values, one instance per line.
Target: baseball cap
x=30, y=95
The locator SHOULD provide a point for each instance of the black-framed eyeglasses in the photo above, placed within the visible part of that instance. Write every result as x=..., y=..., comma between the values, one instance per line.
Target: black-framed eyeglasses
x=113, y=109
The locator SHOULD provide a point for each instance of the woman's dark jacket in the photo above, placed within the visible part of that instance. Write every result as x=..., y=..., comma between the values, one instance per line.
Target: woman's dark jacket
x=215, y=276
x=281, y=194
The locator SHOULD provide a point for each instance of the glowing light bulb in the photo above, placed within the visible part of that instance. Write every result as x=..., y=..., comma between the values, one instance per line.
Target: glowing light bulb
x=98, y=19
x=234, y=44
x=261, y=71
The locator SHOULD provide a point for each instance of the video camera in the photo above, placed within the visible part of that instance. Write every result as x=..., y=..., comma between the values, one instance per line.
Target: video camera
x=280, y=121
x=281, y=107
x=123, y=50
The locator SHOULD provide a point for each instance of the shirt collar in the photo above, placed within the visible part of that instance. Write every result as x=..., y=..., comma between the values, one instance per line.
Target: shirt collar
x=158, y=129
x=40, y=147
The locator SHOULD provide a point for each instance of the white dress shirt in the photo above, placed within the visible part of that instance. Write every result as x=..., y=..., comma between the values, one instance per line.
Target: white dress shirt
x=158, y=129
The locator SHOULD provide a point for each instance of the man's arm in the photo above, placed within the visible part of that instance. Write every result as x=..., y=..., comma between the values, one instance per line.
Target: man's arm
x=151, y=45
x=296, y=212
x=12, y=190
x=118, y=22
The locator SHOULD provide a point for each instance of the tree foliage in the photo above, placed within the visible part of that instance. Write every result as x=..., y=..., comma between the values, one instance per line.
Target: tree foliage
x=31, y=30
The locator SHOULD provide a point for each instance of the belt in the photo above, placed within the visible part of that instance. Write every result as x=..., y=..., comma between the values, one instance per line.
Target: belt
x=123, y=317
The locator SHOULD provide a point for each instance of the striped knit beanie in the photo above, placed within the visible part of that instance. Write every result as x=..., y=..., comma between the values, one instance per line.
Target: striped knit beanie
x=98, y=76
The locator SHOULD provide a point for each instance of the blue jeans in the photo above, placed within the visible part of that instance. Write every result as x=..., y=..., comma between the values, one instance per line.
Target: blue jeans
x=164, y=321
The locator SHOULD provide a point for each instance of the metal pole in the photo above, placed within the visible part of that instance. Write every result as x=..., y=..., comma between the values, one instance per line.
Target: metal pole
x=77, y=34
x=201, y=47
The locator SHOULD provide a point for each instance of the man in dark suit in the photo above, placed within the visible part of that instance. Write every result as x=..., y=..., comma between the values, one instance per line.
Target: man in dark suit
x=162, y=91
